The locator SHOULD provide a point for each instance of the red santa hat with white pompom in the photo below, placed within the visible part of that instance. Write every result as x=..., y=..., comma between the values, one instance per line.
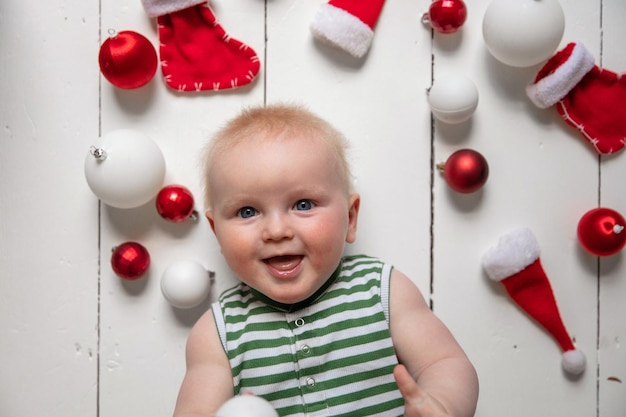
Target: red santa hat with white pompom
x=514, y=261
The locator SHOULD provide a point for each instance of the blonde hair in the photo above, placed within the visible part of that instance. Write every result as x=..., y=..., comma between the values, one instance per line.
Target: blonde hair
x=270, y=122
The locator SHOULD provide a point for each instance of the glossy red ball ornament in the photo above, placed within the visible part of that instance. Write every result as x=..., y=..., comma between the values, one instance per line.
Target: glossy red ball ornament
x=446, y=16
x=465, y=171
x=602, y=232
x=175, y=203
x=130, y=260
x=127, y=59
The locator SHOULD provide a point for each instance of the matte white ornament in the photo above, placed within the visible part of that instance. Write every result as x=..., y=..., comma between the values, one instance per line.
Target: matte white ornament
x=523, y=33
x=186, y=284
x=453, y=98
x=125, y=168
x=246, y=406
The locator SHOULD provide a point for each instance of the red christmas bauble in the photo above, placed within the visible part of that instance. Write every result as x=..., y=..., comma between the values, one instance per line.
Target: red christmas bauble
x=127, y=59
x=446, y=16
x=175, y=203
x=601, y=231
x=130, y=260
x=465, y=171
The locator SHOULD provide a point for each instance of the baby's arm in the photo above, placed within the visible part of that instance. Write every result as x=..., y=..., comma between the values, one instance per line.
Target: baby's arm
x=208, y=381
x=447, y=384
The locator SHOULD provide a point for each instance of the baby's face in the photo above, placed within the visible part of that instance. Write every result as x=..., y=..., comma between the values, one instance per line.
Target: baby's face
x=281, y=214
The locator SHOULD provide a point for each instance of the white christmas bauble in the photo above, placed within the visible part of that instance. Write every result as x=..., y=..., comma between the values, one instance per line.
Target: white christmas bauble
x=185, y=284
x=125, y=168
x=453, y=98
x=246, y=406
x=523, y=33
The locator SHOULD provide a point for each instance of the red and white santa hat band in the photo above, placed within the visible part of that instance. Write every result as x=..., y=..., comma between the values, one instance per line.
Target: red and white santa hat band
x=514, y=261
x=347, y=24
x=155, y=8
x=560, y=75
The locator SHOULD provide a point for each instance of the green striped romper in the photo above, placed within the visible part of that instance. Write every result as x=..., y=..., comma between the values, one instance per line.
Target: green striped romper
x=331, y=355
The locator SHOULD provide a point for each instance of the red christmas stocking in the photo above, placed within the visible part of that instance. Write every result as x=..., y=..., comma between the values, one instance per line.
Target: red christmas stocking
x=196, y=53
x=589, y=98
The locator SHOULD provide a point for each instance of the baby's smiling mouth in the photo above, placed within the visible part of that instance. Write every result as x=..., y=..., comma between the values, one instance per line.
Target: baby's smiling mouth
x=285, y=264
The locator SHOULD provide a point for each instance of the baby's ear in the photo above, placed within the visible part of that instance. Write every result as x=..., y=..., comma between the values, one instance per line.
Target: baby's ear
x=209, y=216
x=354, y=203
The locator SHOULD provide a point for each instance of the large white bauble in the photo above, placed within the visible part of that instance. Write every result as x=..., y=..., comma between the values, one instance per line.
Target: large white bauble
x=523, y=33
x=246, y=406
x=453, y=98
x=185, y=284
x=125, y=168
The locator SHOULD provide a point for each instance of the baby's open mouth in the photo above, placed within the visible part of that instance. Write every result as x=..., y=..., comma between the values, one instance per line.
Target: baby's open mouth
x=284, y=263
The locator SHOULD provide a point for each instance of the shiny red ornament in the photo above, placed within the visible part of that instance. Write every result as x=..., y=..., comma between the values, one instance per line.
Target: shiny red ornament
x=465, y=171
x=127, y=59
x=130, y=260
x=175, y=203
x=446, y=16
x=602, y=232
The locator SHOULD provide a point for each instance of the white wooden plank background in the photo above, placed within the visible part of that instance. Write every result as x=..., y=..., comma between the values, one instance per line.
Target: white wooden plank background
x=77, y=341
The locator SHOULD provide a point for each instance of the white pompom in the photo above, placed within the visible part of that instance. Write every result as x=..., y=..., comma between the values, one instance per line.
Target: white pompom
x=574, y=362
x=246, y=406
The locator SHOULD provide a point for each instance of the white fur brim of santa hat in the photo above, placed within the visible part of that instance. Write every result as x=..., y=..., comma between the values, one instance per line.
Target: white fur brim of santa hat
x=560, y=75
x=514, y=252
x=339, y=28
x=155, y=8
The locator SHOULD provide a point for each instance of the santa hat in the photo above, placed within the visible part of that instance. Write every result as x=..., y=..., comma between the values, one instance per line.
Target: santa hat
x=587, y=97
x=347, y=24
x=514, y=261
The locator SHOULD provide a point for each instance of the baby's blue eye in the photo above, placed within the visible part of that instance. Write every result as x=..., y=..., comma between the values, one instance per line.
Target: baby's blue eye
x=246, y=212
x=303, y=205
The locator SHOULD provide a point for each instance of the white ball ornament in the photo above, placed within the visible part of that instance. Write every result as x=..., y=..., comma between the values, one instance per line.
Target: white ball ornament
x=185, y=284
x=125, y=168
x=246, y=406
x=523, y=33
x=453, y=98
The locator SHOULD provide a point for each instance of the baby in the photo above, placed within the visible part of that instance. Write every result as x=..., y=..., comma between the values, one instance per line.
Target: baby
x=314, y=332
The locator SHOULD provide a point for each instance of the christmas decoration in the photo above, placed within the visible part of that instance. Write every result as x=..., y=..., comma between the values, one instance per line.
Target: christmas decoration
x=130, y=260
x=523, y=33
x=127, y=59
x=196, y=53
x=587, y=97
x=446, y=16
x=185, y=284
x=601, y=231
x=175, y=203
x=347, y=24
x=453, y=98
x=125, y=168
x=515, y=262
x=246, y=406
x=465, y=171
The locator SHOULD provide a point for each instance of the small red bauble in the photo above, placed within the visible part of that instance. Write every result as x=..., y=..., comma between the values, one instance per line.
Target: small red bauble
x=465, y=171
x=175, y=203
x=446, y=16
x=127, y=59
x=130, y=260
x=601, y=231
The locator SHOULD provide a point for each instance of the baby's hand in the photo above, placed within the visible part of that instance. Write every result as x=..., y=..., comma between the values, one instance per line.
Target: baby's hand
x=417, y=402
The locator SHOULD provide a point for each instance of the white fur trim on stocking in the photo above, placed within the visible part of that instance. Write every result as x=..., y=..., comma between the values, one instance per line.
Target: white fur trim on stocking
x=514, y=252
x=553, y=87
x=156, y=8
x=342, y=29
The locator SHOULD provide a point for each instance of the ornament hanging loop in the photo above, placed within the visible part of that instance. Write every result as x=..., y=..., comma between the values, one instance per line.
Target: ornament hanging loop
x=98, y=153
x=112, y=33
